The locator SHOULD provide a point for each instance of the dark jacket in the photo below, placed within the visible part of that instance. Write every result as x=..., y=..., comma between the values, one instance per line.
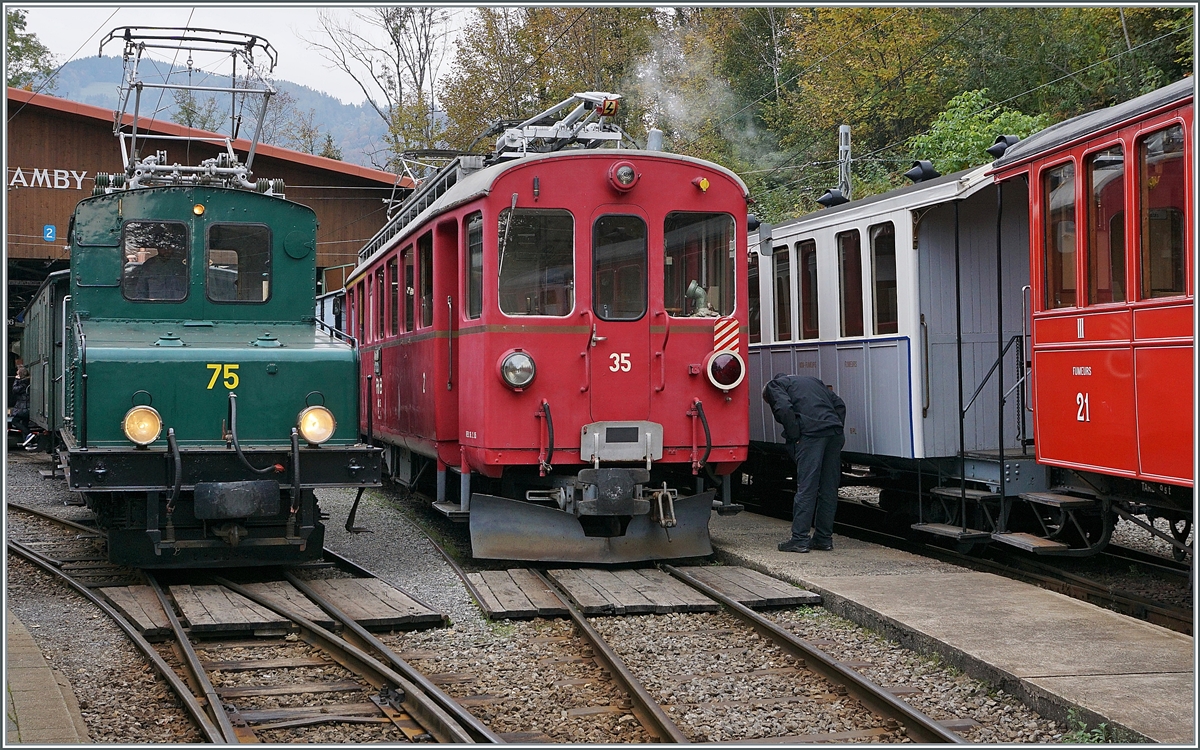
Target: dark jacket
x=804, y=406
x=20, y=398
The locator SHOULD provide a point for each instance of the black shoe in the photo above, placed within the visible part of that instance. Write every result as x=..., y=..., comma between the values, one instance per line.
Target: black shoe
x=793, y=545
x=823, y=547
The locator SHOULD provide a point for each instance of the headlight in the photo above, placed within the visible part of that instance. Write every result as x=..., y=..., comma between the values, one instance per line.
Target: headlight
x=517, y=369
x=725, y=369
x=316, y=424
x=622, y=176
x=142, y=425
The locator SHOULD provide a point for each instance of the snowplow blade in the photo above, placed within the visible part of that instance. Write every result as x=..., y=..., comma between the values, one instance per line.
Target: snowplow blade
x=504, y=529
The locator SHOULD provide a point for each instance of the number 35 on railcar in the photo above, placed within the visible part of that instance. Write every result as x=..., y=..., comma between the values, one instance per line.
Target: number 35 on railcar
x=196, y=400
x=566, y=330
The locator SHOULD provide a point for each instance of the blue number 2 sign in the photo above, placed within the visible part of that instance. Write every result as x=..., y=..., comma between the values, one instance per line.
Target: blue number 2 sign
x=49, y=233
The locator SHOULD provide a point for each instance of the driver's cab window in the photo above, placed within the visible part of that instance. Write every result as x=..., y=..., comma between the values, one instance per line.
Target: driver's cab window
x=239, y=263
x=698, y=260
x=156, y=261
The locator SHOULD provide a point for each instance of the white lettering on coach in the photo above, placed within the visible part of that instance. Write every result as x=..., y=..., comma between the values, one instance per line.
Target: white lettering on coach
x=1081, y=370
x=55, y=179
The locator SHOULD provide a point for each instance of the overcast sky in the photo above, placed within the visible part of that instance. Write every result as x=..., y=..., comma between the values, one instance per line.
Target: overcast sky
x=74, y=31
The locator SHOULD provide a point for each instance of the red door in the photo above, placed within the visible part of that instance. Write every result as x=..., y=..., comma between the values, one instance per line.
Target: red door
x=619, y=353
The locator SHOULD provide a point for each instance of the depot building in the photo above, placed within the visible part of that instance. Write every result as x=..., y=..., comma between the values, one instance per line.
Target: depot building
x=57, y=147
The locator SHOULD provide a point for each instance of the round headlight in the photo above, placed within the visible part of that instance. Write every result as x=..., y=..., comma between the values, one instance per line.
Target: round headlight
x=142, y=425
x=316, y=424
x=725, y=369
x=622, y=175
x=517, y=369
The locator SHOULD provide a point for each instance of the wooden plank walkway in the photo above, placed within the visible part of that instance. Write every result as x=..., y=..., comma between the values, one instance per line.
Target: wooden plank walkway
x=141, y=607
x=375, y=604
x=515, y=594
x=751, y=588
x=600, y=592
x=215, y=609
x=282, y=592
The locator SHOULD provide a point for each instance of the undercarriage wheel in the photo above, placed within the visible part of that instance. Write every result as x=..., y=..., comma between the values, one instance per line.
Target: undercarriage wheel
x=1085, y=533
x=1180, y=529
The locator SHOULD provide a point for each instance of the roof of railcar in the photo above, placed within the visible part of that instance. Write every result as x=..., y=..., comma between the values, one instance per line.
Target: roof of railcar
x=478, y=184
x=937, y=190
x=1085, y=125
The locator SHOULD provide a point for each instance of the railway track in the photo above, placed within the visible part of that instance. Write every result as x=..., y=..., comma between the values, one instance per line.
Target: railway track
x=798, y=675
x=263, y=689
x=1056, y=577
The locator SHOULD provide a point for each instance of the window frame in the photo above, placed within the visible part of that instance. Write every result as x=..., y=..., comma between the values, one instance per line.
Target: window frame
x=574, y=263
x=187, y=242
x=778, y=334
x=809, y=299
x=645, y=267
x=1142, y=134
x=270, y=261
x=1087, y=249
x=843, y=312
x=876, y=323
x=473, y=224
x=1045, y=228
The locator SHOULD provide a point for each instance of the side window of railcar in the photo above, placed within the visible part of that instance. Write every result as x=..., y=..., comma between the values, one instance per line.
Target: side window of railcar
x=536, y=260
x=380, y=308
x=807, y=252
x=474, y=265
x=425, y=250
x=1106, y=226
x=754, y=301
x=698, y=261
x=369, y=285
x=850, y=279
x=1161, y=202
x=239, y=263
x=619, y=258
x=156, y=261
x=1058, y=214
x=883, y=277
x=782, y=258
x=393, y=285
x=409, y=291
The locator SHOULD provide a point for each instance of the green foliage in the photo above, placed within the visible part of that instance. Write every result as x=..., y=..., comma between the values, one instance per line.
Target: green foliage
x=29, y=62
x=201, y=113
x=960, y=134
x=329, y=149
x=1080, y=734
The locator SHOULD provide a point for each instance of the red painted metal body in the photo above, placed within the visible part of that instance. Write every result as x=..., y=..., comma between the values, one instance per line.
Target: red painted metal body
x=430, y=369
x=1112, y=336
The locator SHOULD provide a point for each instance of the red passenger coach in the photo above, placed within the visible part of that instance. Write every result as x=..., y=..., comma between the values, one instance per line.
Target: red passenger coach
x=565, y=328
x=1113, y=286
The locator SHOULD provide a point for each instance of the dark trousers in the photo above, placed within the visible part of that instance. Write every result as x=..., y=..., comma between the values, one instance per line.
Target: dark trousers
x=818, y=472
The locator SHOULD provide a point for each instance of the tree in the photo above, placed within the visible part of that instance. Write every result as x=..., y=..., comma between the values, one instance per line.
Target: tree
x=30, y=64
x=329, y=149
x=200, y=113
x=396, y=76
x=960, y=135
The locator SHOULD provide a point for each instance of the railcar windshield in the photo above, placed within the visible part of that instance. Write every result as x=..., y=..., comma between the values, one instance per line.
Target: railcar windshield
x=239, y=263
x=619, y=257
x=537, y=262
x=156, y=261
x=698, y=261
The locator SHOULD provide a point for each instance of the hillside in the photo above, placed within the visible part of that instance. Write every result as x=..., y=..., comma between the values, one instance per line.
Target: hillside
x=94, y=80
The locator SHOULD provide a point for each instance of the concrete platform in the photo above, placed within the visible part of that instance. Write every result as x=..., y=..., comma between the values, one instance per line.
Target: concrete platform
x=1054, y=652
x=39, y=705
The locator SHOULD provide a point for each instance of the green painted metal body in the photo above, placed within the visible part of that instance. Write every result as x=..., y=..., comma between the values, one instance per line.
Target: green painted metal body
x=201, y=504
x=185, y=357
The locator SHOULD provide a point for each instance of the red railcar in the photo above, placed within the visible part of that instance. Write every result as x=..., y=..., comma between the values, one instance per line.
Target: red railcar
x=1112, y=234
x=566, y=330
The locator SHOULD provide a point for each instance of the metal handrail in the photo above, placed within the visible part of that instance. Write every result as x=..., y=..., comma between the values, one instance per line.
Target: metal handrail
x=995, y=366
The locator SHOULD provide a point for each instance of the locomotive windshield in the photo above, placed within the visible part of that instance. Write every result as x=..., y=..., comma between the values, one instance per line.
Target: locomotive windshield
x=698, y=264
x=156, y=261
x=619, y=270
x=537, y=262
x=239, y=263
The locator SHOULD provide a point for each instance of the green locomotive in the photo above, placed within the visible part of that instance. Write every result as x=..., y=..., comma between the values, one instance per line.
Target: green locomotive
x=196, y=400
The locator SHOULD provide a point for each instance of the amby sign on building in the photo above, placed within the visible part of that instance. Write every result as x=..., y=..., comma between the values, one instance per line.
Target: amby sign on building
x=55, y=179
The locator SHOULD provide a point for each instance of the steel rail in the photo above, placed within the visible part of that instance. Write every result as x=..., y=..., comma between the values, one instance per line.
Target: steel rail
x=367, y=641
x=210, y=732
x=918, y=726
x=420, y=706
x=55, y=519
x=192, y=661
x=645, y=708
